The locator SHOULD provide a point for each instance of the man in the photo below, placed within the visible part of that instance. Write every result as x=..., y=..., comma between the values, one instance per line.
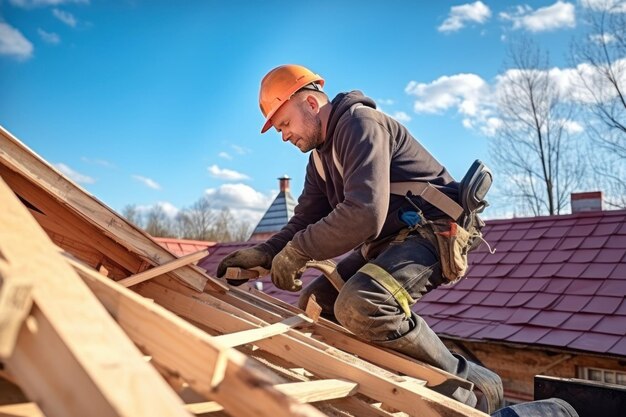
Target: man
x=357, y=152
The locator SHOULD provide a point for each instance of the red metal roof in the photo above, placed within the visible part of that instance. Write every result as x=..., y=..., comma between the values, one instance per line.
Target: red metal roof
x=180, y=247
x=556, y=281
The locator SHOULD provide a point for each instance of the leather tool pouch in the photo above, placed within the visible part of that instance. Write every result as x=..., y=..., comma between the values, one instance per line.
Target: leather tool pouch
x=452, y=242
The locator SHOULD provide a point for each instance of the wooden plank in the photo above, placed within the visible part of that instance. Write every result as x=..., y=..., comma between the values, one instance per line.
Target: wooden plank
x=59, y=219
x=69, y=343
x=225, y=375
x=21, y=410
x=315, y=357
x=338, y=337
x=249, y=336
x=305, y=392
x=15, y=303
x=19, y=158
x=163, y=268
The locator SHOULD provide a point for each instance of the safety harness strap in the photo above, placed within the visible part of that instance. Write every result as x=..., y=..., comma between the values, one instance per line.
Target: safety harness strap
x=429, y=193
x=385, y=279
x=424, y=190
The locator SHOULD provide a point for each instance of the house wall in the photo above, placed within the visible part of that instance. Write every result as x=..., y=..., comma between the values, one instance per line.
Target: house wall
x=261, y=237
x=517, y=365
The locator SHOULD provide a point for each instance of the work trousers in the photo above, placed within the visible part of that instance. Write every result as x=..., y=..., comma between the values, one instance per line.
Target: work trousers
x=364, y=306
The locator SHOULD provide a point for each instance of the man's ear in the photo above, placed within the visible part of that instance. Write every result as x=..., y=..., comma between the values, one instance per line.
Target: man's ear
x=313, y=103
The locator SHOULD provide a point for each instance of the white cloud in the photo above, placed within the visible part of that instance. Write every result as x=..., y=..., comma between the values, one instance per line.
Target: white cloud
x=244, y=202
x=65, y=17
x=148, y=182
x=463, y=91
x=559, y=15
x=101, y=162
x=401, y=117
x=476, y=100
x=573, y=127
x=225, y=155
x=226, y=174
x=49, y=37
x=240, y=149
x=73, y=175
x=604, y=39
x=384, y=101
x=35, y=3
x=13, y=43
x=476, y=12
x=168, y=208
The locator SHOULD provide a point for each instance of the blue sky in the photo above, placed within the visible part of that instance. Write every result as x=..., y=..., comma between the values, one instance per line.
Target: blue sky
x=154, y=102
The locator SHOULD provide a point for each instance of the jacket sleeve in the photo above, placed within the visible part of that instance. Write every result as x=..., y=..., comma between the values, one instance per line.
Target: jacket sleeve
x=312, y=206
x=363, y=147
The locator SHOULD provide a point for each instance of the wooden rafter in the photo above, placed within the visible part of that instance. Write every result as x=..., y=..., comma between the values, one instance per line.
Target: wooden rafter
x=315, y=356
x=211, y=369
x=338, y=337
x=69, y=344
x=16, y=158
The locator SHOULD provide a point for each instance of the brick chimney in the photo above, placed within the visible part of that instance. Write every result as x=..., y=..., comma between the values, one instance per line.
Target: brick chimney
x=591, y=201
x=283, y=183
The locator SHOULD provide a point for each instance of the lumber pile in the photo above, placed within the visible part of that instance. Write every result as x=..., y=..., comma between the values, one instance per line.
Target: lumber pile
x=97, y=319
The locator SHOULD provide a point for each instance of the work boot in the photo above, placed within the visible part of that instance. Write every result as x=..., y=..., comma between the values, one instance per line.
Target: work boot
x=553, y=407
x=489, y=384
x=423, y=344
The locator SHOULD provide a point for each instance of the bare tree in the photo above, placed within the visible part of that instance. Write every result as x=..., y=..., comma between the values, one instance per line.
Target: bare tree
x=158, y=224
x=533, y=147
x=199, y=222
x=600, y=58
x=130, y=213
x=240, y=231
x=196, y=221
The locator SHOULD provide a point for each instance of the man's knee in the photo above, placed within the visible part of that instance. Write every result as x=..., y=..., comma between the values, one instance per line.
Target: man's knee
x=370, y=315
x=350, y=311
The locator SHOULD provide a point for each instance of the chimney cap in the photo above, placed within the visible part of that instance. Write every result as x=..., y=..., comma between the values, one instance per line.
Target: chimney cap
x=587, y=201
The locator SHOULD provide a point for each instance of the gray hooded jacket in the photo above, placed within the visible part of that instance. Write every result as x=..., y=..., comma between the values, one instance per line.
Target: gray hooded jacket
x=345, y=211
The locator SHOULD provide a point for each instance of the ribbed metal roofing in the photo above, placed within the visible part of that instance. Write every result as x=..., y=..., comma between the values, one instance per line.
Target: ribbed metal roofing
x=278, y=214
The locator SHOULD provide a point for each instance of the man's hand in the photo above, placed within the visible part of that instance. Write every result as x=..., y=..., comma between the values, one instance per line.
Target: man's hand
x=287, y=268
x=259, y=255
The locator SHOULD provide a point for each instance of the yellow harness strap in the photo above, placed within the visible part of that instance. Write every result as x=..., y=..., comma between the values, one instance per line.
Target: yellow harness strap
x=385, y=279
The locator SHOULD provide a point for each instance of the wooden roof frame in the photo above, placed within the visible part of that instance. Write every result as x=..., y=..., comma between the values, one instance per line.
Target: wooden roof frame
x=200, y=335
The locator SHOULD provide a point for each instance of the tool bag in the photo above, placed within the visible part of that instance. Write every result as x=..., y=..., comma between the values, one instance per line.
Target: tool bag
x=455, y=239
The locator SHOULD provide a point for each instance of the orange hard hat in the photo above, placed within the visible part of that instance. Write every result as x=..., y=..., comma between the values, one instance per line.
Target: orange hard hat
x=280, y=84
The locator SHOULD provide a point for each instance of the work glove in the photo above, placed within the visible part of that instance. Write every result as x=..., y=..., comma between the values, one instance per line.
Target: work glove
x=287, y=268
x=258, y=255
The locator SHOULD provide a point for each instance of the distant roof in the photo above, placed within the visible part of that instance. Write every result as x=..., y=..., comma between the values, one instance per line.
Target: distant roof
x=557, y=281
x=180, y=247
x=278, y=214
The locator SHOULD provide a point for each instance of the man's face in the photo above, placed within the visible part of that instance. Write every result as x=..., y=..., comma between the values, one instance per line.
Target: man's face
x=299, y=124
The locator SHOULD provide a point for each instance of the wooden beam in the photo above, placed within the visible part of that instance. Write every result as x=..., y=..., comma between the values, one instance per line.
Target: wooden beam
x=340, y=338
x=69, y=343
x=305, y=392
x=250, y=336
x=163, y=268
x=19, y=158
x=229, y=377
x=15, y=304
x=21, y=410
x=316, y=357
